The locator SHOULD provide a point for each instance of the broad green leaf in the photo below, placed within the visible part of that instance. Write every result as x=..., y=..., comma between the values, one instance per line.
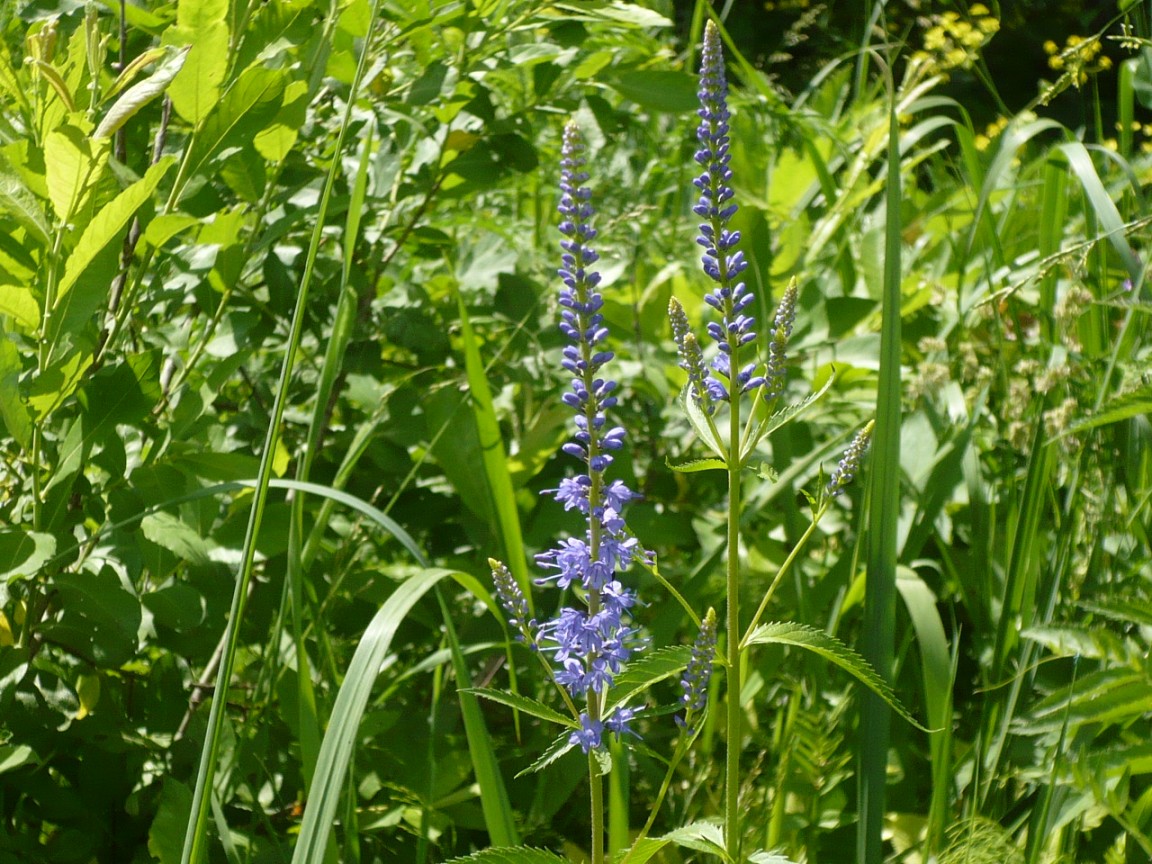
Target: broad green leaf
x=18, y=302
x=203, y=25
x=139, y=95
x=13, y=411
x=523, y=703
x=166, y=836
x=13, y=756
x=242, y=113
x=73, y=164
x=278, y=139
x=48, y=390
x=830, y=648
x=100, y=619
x=177, y=537
x=658, y=90
x=700, y=422
x=511, y=855
x=177, y=606
x=92, y=264
x=166, y=226
x=22, y=553
x=16, y=199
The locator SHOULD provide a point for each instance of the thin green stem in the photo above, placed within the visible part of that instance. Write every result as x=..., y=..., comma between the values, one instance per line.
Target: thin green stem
x=732, y=753
x=784, y=568
x=682, y=747
x=596, y=784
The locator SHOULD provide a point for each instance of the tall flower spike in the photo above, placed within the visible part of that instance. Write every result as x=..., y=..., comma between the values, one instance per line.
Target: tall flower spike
x=699, y=671
x=844, y=473
x=777, y=348
x=588, y=645
x=721, y=261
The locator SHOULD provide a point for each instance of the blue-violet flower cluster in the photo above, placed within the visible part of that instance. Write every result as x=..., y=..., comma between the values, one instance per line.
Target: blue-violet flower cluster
x=590, y=643
x=722, y=261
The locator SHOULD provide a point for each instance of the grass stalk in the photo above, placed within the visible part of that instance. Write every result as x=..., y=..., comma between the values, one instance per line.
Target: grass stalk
x=877, y=642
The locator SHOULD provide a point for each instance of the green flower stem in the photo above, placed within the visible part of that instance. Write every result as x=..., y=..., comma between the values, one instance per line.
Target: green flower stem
x=735, y=684
x=784, y=568
x=596, y=783
x=682, y=747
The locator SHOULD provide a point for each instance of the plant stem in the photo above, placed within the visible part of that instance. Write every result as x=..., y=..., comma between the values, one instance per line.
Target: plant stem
x=732, y=753
x=596, y=784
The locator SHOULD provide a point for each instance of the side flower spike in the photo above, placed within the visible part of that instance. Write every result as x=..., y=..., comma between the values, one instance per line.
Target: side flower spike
x=777, y=348
x=844, y=473
x=698, y=673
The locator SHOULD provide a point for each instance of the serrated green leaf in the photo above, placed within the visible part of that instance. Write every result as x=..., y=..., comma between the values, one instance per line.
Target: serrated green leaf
x=785, y=415
x=830, y=648
x=555, y=750
x=522, y=703
x=1123, y=407
x=697, y=465
x=509, y=855
x=641, y=674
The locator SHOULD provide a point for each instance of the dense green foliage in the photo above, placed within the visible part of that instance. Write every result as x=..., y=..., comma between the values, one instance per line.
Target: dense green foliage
x=279, y=373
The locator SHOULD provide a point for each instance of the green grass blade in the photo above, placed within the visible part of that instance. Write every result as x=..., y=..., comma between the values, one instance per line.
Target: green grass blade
x=936, y=671
x=494, y=458
x=877, y=642
x=351, y=700
x=1103, y=206
x=493, y=795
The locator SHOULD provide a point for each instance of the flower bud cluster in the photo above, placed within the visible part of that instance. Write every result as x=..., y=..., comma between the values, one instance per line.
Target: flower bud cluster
x=845, y=472
x=698, y=673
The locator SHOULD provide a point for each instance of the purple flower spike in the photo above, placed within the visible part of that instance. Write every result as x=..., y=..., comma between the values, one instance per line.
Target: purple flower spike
x=588, y=645
x=699, y=671
x=721, y=261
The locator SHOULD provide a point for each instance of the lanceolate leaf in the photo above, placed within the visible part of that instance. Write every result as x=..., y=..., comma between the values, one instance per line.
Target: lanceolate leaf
x=510, y=855
x=203, y=25
x=88, y=270
x=139, y=95
x=830, y=648
x=786, y=414
x=523, y=703
x=641, y=674
x=15, y=198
